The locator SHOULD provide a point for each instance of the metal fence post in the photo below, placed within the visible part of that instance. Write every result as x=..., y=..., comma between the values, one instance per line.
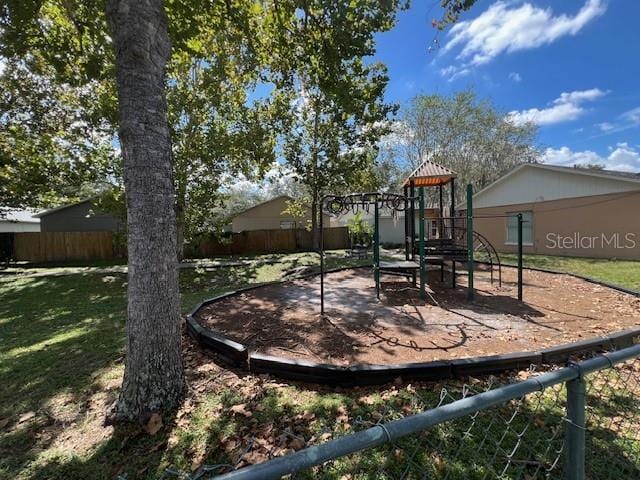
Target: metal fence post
x=322, y=256
x=575, y=433
x=376, y=247
x=520, y=256
x=470, y=241
x=423, y=272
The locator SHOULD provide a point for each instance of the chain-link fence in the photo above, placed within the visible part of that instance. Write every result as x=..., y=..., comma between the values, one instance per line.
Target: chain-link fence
x=577, y=422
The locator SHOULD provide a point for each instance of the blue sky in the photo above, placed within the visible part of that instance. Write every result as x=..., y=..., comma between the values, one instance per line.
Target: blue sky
x=571, y=66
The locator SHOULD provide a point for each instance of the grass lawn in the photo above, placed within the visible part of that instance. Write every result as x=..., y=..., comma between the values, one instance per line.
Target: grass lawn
x=625, y=273
x=61, y=354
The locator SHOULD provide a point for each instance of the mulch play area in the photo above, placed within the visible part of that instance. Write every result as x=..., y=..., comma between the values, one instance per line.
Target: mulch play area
x=283, y=319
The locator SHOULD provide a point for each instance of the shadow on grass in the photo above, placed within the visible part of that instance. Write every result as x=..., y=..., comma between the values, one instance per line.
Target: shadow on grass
x=90, y=312
x=58, y=334
x=129, y=453
x=518, y=439
x=56, y=331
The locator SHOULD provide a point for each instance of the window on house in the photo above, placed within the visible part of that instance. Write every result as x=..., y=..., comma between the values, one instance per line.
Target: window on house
x=287, y=224
x=527, y=228
x=434, y=229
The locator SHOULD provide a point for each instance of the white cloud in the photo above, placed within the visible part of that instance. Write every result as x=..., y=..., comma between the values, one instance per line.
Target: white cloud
x=605, y=126
x=624, y=121
x=580, y=96
x=623, y=158
x=515, y=76
x=565, y=108
x=505, y=28
x=454, y=72
x=632, y=116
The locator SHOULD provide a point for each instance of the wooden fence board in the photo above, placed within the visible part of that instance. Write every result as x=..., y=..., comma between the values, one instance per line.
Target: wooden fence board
x=66, y=246
x=266, y=241
x=62, y=246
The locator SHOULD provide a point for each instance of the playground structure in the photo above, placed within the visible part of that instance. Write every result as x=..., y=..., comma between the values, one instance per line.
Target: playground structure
x=364, y=337
x=454, y=242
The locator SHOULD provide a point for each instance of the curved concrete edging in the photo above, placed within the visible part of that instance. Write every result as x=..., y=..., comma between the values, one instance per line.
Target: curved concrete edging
x=238, y=355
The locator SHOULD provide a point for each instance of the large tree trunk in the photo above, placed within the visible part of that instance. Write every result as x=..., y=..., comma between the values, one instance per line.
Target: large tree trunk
x=153, y=377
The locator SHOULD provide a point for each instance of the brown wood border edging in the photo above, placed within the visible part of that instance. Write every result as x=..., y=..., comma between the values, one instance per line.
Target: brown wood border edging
x=229, y=350
x=237, y=354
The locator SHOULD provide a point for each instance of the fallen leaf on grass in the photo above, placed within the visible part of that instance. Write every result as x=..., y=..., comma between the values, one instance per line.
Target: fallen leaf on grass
x=196, y=463
x=25, y=417
x=255, y=457
x=154, y=424
x=343, y=417
x=297, y=444
x=240, y=409
x=367, y=400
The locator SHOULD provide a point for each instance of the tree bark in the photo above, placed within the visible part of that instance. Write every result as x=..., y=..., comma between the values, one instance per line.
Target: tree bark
x=153, y=377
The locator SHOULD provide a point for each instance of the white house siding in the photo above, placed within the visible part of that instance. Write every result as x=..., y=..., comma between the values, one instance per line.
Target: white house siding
x=18, y=227
x=392, y=230
x=391, y=227
x=532, y=183
x=14, y=220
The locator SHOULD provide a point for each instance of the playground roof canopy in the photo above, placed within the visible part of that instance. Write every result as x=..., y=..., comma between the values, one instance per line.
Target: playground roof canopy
x=430, y=174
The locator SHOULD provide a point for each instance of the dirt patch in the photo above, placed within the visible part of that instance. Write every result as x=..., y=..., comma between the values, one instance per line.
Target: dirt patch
x=284, y=319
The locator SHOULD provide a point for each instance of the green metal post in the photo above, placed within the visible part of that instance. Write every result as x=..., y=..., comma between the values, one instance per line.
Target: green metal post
x=412, y=218
x=412, y=227
x=441, y=233
x=322, y=257
x=407, y=243
x=470, y=292
x=453, y=231
x=520, y=256
x=376, y=248
x=423, y=272
x=575, y=431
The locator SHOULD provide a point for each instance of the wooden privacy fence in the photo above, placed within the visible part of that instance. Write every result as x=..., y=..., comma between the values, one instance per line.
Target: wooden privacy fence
x=266, y=241
x=62, y=246
x=65, y=246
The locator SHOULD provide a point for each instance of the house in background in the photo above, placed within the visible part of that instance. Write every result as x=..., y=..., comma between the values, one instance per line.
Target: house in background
x=567, y=211
x=392, y=225
x=269, y=216
x=78, y=217
x=16, y=220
